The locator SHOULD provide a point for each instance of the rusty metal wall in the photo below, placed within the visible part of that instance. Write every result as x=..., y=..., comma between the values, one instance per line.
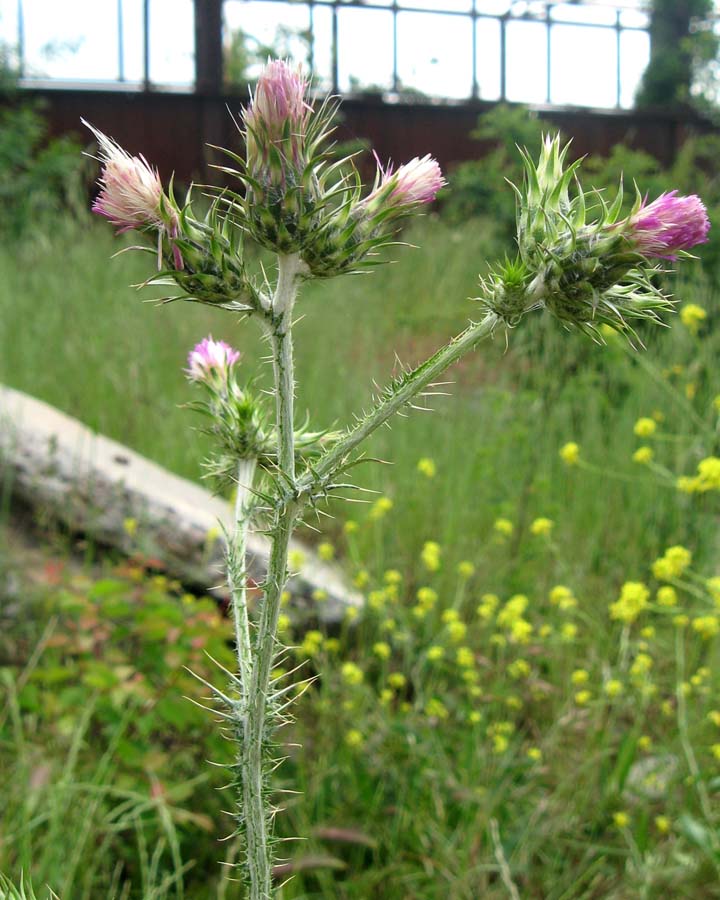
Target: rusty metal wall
x=172, y=130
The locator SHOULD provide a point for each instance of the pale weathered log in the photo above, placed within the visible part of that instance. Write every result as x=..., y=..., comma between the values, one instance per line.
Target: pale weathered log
x=95, y=486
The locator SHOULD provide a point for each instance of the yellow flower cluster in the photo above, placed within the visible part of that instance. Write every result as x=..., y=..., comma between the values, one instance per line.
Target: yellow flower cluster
x=430, y=556
x=645, y=427
x=562, y=597
x=504, y=527
x=511, y=618
x=643, y=455
x=692, y=316
x=488, y=604
x=427, y=467
x=570, y=453
x=672, y=564
x=541, y=527
x=632, y=601
x=380, y=508
x=707, y=478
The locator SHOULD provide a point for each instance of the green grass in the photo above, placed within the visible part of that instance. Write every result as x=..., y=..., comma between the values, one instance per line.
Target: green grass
x=434, y=802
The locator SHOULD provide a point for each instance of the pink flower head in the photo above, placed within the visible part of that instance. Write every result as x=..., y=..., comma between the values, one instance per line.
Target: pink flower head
x=668, y=225
x=210, y=359
x=279, y=99
x=131, y=192
x=416, y=182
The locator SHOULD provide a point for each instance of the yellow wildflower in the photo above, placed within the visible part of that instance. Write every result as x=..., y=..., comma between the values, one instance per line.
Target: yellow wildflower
x=361, y=579
x=436, y=709
x=643, y=455
x=380, y=508
x=435, y=653
x=614, y=687
x=621, y=819
x=645, y=427
x=466, y=569
x=351, y=673
x=430, y=556
x=632, y=601
x=326, y=551
x=489, y=603
x=465, y=657
x=350, y=527
x=382, y=650
x=397, y=680
x=570, y=453
x=568, y=632
x=562, y=597
x=667, y=596
x=663, y=824
x=130, y=526
x=644, y=742
x=706, y=626
x=692, y=316
x=580, y=677
x=534, y=753
x=583, y=697
x=457, y=631
x=541, y=527
x=519, y=668
x=427, y=467
x=504, y=527
x=354, y=738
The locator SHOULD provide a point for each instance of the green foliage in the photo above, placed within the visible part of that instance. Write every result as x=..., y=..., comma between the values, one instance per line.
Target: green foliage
x=40, y=177
x=479, y=188
x=98, y=765
x=107, y=749
x=684, y=46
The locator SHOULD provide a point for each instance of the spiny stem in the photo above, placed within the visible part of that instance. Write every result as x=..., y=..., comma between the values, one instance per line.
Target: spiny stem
x=237, y=570
x=255, y=812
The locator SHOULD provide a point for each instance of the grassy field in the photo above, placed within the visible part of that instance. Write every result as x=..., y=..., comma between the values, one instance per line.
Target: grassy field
x=457, y=745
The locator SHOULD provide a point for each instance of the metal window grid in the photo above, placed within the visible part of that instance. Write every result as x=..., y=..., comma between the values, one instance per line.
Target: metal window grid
x=529, y=11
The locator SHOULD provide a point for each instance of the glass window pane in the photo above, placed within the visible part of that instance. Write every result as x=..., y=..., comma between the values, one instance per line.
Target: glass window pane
x=590, y=15
x=634, y=18
x=270, y=29
x=359, y=30
x=581, y=50
x=488, y=58
x=132, y=31
x=62, y=41
x=526, y=62
x=435, y=54
x=493, y=7
x=438, y=5
x=172, y=50
x=634, y=57
x=322, y=48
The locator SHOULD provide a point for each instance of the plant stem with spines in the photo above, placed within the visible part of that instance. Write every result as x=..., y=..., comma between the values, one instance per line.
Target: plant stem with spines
x=258, y=713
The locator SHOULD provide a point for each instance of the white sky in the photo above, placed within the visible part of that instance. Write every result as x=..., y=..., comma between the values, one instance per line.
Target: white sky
x=78, y=40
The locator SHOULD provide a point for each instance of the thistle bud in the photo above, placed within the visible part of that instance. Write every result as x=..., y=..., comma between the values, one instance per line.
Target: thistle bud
x=211, y=361
x=414, y=183
x=278, y=112
x=590, y=271
x=668, y=226
x=131, y=193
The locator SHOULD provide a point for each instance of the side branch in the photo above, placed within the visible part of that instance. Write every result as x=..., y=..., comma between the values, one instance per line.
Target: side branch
x=395, y=398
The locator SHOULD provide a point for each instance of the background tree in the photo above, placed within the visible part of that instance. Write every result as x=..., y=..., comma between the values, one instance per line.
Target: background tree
x=683, y=49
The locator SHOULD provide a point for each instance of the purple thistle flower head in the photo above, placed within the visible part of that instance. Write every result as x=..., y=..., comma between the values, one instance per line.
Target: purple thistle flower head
x=279, y=100
x=130, y=189
x=668, y=225
x=211, y=359
x=418, y=181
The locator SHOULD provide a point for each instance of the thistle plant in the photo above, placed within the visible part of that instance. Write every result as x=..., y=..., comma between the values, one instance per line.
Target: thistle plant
x=575, y=257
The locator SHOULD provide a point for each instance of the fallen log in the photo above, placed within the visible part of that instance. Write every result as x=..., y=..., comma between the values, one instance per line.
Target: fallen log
x=100, y=488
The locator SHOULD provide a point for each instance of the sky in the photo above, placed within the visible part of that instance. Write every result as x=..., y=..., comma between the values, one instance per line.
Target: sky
x=80, y=40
